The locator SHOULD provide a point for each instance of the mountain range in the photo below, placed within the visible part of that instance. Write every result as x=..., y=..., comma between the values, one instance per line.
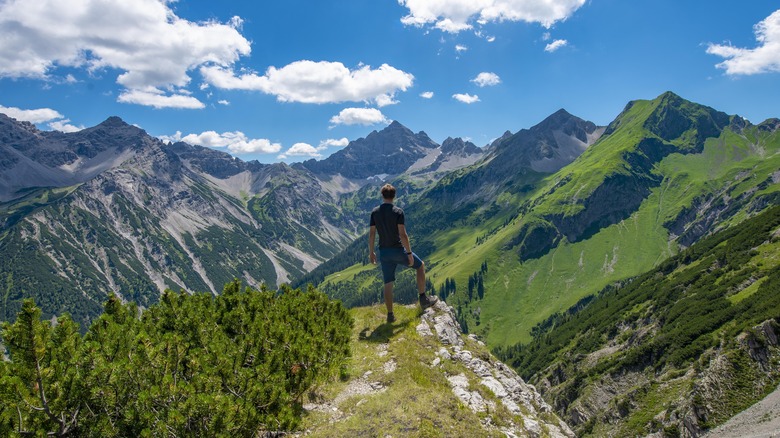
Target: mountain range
x=110, y=209
x=518, y=236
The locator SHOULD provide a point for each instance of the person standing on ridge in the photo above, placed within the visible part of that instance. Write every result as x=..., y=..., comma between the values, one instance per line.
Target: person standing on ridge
x=394, y=249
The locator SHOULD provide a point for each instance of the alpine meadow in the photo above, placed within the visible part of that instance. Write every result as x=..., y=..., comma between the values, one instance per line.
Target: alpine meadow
x=189, y=191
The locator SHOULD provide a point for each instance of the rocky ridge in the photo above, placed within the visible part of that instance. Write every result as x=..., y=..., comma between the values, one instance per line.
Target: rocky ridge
x=506, y=385
x=475, y=395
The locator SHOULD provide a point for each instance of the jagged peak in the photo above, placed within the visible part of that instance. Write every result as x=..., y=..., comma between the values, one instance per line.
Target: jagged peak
x=395, y=124
x=669, y=96
x=19, y=124
x=558, y=118
x=449, y=140
x=113, y=122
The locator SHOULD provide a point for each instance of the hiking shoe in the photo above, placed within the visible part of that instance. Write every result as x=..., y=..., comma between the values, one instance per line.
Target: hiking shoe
x=427, y=301
x=390, y=318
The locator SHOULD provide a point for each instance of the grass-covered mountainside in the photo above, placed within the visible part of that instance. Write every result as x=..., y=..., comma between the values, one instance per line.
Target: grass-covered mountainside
x=676, y=350
x=238, y=364
x=664, y=174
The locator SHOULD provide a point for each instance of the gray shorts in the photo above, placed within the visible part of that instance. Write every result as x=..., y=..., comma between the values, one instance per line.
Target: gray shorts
x=389, y=258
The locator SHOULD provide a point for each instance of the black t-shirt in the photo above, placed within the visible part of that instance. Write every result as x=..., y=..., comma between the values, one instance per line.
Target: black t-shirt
x=386, y=218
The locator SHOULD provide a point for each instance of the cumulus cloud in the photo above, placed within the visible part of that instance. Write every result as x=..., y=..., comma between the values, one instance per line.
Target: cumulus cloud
x=301, y=150
x=39, y=115
x=223, y=102
x=144, y=39
x=460, y=48
x=466, y=98
x=64, y=126
x=426, y=94
x=359, y=116
x=454, y=16
x=555, y=45
x=157, y=99
x=486, y=79
x=307, y=150
x=332, y=142
x=236, y=142
x=385, y=100
x=316, y=82
x=765, y=58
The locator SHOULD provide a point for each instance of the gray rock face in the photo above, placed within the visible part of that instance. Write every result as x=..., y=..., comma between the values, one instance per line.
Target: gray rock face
x=390, y=151
x=509, y=389
x=30, y=158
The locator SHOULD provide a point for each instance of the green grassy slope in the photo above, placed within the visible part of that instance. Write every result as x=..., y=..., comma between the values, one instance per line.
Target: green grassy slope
x=685, y=345
x=736, y=168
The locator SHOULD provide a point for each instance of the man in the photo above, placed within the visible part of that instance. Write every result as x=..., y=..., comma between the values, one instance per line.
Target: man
x=394, y=249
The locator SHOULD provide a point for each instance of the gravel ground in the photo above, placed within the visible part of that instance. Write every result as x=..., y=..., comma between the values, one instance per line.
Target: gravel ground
x=762, y=420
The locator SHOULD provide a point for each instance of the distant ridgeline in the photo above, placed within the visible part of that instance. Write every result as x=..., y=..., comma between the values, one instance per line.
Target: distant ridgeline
x=192, y=365
x=684, y=346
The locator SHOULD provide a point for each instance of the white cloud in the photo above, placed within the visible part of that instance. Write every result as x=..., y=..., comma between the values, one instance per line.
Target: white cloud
x=33, y=116
x=64, y=126
x=359, y=116
x=486, y=79
x=316, y=82
x=385, y=100
x=307, y=150
x=41, y=115
x=763, y=59
x=546, y=36
x=301, y=150
x=466, y=98
x=490, y=39
x=171, y=138
x=223, y=102
x=555, y=45
x=332, y=142
x=157, y=99
x=426, y=94
x=454, y=16
x=460, y=48
x=144, y=39
x=236, y=142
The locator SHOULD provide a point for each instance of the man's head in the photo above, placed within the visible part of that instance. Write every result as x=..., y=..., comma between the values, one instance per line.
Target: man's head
x=388, y=192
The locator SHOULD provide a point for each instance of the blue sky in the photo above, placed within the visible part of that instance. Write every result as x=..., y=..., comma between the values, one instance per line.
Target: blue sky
x=289, y=80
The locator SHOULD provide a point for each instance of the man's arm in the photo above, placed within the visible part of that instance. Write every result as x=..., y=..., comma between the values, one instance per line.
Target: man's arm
x=371, y=237
x=405, y=242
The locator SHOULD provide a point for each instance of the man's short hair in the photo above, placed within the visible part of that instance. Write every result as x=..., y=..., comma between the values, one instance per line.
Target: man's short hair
x=388, y=191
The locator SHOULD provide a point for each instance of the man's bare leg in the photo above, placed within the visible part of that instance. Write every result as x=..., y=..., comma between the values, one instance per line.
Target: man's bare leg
x=389, y=296
x=421, y=279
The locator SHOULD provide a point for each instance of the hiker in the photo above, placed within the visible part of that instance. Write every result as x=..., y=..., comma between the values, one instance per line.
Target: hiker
x=394, y=249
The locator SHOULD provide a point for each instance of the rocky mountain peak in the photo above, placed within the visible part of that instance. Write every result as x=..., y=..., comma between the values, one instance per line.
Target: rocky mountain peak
x=113, y=122
x=459, y=146
x=390, y=151
x=674, y=116
x=9, y=123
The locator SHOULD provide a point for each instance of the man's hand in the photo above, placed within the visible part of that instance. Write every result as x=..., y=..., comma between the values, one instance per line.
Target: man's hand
x=372, y=257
